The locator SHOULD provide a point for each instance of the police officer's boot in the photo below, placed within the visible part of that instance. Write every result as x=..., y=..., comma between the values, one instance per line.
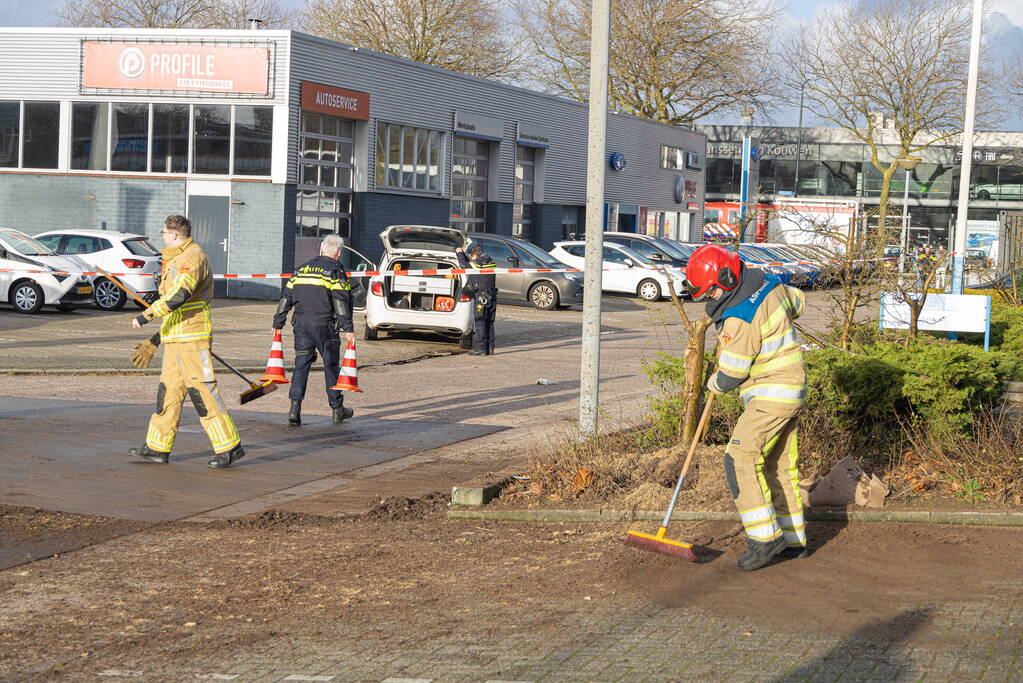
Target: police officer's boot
x=226, y=459
x=295, y=414
x=760, y=553
x=341, y=414
x=147, y=453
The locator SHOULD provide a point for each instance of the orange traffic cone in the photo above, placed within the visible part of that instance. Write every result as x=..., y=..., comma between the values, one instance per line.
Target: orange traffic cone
x=275, y=363
x=348, y=378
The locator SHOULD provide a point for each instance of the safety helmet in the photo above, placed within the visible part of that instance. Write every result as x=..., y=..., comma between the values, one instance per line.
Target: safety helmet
x=712, y=266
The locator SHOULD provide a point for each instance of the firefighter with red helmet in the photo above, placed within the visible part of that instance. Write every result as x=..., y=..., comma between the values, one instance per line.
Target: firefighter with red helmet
x=761, y=357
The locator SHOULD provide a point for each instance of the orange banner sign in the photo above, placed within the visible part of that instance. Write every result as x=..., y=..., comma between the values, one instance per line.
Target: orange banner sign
x=176, y=66
x=327, y=99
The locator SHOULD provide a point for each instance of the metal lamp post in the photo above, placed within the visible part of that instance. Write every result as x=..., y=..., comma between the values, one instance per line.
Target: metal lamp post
x=907, y=164
x=799, y=136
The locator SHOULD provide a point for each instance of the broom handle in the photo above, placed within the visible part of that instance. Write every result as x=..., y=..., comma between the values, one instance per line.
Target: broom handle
x=697, y=435
x=145, y=304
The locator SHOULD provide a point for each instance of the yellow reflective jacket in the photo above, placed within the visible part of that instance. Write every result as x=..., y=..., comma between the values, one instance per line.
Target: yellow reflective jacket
x=760, y=352
x=186, y=290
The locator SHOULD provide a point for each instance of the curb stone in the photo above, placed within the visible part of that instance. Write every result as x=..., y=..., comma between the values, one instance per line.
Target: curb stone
x=826, y=515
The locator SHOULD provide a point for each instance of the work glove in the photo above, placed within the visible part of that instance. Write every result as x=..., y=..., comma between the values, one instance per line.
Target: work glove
x=144, y=352
x=712, y=386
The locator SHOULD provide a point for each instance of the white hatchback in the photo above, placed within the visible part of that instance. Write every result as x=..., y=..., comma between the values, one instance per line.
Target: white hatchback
x=624, y=270
x=114, y=252
x=61, y=282
x=412, y=302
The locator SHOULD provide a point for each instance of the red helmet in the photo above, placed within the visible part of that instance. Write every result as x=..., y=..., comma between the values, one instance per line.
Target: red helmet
x=712, y=266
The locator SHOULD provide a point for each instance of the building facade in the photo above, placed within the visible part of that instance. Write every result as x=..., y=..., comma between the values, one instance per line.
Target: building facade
x=830, y=165
x=269, y=140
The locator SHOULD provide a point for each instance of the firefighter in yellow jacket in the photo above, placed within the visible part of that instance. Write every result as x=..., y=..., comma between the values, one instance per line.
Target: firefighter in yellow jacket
x=186, y=290
x=759, y=356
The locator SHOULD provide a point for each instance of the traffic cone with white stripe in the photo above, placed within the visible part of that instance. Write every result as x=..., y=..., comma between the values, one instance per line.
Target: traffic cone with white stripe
x=275, y=363
x=348, y=378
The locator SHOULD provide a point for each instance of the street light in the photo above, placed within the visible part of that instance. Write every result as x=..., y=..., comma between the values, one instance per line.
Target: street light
x=799, y=135
x=907, y=164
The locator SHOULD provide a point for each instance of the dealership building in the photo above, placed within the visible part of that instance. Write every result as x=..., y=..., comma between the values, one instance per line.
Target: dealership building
x=269, y=140
x=829, y=165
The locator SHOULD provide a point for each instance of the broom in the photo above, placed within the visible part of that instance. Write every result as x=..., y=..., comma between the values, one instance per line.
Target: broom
x=658, y=543
x=255, y=390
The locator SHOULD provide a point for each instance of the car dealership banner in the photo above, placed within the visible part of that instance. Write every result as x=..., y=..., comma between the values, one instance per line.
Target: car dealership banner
x=175, y=67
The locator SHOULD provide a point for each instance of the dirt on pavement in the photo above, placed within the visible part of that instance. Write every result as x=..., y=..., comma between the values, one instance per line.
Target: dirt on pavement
x=180, y=595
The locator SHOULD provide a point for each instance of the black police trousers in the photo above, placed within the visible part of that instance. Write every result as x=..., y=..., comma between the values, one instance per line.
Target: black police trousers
x=484, y=313
x=310, y=338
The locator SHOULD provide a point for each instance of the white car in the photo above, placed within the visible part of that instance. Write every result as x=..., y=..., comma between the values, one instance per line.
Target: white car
x=114, y=252
x=412, y=302
x=624, y=270
x=62, y=283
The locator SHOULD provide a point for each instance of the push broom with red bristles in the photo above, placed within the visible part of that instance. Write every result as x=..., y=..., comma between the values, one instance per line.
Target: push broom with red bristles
x=659, y=542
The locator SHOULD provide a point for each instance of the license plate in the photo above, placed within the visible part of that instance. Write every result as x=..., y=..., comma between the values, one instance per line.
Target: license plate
x=85, y=290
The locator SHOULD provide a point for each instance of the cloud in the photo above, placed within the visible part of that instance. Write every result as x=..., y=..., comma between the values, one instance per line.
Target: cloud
x=1011, y=9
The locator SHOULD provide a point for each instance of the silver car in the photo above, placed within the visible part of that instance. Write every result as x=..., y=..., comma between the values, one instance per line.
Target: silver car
x=545, y=291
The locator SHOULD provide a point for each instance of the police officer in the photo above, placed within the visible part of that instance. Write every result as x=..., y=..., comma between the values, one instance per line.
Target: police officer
x=322, y=298
x=761, y=357
x=186, y=290
x=483, y=290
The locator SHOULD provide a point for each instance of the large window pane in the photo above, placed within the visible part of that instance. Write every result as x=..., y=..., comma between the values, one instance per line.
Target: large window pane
x=10, y=115
x=170, y=138
x=212, y=139
x=408, y=145
x=394, y=165
x=434, y=160
x=89, y=140
x=130, y=136
x=381, y=155
x=253, y=137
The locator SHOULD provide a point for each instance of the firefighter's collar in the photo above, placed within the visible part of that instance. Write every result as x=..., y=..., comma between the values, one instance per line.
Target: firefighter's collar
x=171, y=252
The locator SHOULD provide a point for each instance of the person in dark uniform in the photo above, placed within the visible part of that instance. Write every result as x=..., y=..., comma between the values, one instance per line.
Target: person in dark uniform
x=321, y=295
x=483, y=290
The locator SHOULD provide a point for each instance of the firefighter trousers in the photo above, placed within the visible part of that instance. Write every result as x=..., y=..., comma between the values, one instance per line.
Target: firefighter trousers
x=763, y=474
x=188, y=371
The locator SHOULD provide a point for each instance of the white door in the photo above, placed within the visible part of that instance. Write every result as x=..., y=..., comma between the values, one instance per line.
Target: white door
x=618, y=276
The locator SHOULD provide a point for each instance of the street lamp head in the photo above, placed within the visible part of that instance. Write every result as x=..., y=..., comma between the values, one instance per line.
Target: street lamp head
x=908, y=163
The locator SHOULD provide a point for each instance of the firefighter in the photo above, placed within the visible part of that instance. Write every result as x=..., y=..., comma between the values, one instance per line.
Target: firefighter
x=186, y=331
x=322, y=297
x=759, y=356
x=483, y=290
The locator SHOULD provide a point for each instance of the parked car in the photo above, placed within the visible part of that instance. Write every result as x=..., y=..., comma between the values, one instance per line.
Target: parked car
x=760, y=259
x=62, y=285
x=114, y=252
x=431, y=303
x=655, y=249
x=624, y=270
x=809, y=271
x=545, y=291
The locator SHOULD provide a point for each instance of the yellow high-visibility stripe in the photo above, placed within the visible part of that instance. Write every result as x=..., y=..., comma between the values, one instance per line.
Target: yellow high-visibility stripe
x=780, y=362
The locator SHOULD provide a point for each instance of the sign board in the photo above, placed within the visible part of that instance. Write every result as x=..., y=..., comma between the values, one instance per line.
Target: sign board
x=185, y=67
x=479, y=126
x=326, y=99
x=749, y=185
x=531, y=135
x=941, y=313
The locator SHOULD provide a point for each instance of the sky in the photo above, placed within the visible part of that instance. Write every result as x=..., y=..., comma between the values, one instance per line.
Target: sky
x=1006, y=18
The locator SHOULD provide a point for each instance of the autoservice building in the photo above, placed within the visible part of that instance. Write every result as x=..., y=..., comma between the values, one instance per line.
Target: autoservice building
x=269, y=140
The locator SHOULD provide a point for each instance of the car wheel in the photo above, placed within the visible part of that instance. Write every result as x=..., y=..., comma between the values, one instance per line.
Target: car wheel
x=27, y=297
x=108, y=296
x=465, y=341
x=544, y=295
x=983, y=195
x=369, y=334
x=66, y=308
x=649, y=290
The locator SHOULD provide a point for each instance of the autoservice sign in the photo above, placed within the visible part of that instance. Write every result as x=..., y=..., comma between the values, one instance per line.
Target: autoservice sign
x=327, y=99
x=176, y=66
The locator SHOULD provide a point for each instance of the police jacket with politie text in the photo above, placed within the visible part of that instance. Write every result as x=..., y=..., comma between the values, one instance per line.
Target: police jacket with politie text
x=478, y=283
x=320, y=292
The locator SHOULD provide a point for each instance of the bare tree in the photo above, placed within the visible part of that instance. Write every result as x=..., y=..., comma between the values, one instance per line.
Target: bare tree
x=670, y=60
x=891, y=72
x=462, y=35
x=173, y=13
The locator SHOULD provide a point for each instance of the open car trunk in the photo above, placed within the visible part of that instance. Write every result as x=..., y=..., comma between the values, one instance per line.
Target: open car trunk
x=421, y=292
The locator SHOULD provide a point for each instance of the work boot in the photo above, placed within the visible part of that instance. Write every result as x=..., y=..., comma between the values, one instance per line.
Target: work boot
x=147, y=453
x=295, y=414
x=341, y=414
x=227, y=459
x=758, y=554
x=794, y=552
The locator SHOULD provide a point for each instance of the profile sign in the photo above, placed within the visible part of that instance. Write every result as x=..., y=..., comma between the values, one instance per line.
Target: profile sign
x=941, y=313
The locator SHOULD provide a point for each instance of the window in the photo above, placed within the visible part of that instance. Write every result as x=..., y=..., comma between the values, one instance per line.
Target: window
x=408, y=158
x=522, y=210
x=42, y=130
x=129, y=133
x=672, y=157
x=500, y=252
x=533, y=256
x=253, y=140
x=469, y=181
x=140, y=247
x=211, y=148
x=170, y=138
x=51, y=241
x=10, y=133
x=570, y=222
x=80, y=244
x=614, y=255
x=576, y=250
x=327, y=159
x=89, y=135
